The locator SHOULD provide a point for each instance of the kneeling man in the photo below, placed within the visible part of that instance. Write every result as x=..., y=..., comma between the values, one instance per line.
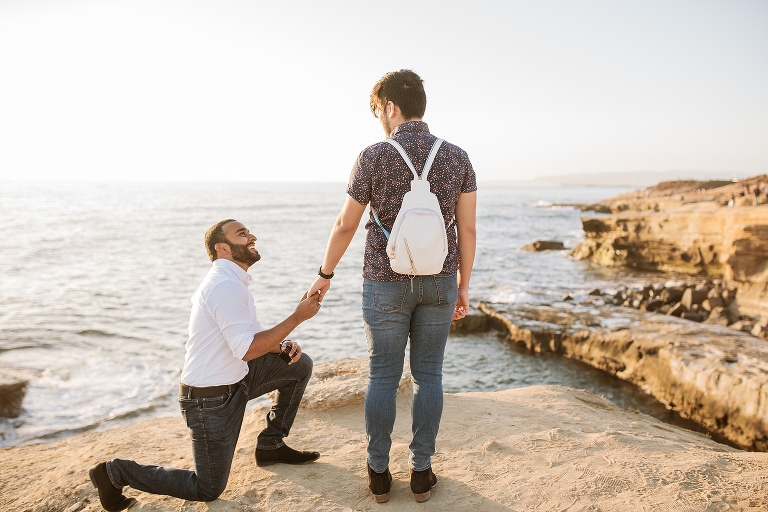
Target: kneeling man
x=230, y=359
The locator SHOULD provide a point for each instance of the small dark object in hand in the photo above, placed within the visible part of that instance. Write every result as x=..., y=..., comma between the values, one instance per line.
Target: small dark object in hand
x=285, y=355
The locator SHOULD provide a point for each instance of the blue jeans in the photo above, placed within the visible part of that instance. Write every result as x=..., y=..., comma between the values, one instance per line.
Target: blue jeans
x=214, y=426
x=422, y=308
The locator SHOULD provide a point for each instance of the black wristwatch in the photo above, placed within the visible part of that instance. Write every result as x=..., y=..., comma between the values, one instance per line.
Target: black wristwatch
x=324, y=276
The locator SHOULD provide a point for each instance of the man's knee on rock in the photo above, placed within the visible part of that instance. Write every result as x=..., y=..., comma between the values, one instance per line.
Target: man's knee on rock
x=213, y=493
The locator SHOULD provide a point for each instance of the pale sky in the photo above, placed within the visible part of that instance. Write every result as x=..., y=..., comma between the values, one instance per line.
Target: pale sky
x=278, y=91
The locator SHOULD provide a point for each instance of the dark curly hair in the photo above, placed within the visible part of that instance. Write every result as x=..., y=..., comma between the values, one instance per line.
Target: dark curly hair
x=215, y=235
x=405, y=89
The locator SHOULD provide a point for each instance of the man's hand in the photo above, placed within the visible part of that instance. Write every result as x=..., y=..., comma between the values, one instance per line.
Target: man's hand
x=294, y=351
x=462, y=305
x=307, y=307
x=320, y=285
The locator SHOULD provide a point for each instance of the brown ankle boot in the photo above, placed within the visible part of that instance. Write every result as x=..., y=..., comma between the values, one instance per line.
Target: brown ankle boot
x=379, y=484
x=111, y=497
x=421, y=484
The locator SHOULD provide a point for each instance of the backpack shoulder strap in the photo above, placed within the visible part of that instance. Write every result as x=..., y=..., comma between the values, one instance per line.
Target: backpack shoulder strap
x=402, y=152
x=430, y=159
x=427, y=165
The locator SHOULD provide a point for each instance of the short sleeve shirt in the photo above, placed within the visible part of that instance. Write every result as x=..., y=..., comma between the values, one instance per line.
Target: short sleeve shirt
x=381, y=177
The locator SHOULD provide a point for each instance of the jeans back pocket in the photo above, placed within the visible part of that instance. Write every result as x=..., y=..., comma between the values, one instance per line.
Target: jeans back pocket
x=389, y=296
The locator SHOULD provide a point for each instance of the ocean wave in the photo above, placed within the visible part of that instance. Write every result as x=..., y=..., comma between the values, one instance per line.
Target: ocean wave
x=96, y=332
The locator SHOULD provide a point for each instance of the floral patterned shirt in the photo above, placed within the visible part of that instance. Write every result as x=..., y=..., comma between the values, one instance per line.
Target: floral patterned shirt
x=381, y=177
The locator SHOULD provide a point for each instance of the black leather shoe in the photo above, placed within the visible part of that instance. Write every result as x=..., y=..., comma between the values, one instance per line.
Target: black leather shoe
x=284, y=455
x=111, y=497
x=379, y=484
x=421, y=484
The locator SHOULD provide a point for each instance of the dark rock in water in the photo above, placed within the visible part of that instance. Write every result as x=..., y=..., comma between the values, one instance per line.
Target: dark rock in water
x=647, y=292
x=12, y=390
x=712, y=303
x=595, y=292
x=718, y=316
x=567, y=298
x=692, y=315
x=544, y=245
x=665, y=309
x=671, y=295
x=677, y=310
x=652, y=305
x=692, y=296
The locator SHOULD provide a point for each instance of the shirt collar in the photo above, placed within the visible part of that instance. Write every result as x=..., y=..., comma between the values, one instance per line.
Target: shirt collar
x=410, y=127
x=241, y=274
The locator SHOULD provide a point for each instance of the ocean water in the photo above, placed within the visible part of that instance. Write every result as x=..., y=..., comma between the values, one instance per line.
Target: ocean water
x=96, y=280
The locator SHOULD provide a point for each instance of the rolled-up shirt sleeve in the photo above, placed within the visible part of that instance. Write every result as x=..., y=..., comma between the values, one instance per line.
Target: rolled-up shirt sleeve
x=229, y=307
x=359, y=186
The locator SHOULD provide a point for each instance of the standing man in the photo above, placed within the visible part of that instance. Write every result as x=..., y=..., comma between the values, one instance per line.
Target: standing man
x=399, y=307
x=230, y=359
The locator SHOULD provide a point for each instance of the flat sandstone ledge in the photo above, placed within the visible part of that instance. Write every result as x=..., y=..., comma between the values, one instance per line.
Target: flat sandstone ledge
x=542, y=447
x=713, y=375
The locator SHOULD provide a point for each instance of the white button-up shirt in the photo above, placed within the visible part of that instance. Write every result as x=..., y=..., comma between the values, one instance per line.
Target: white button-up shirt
x=221, y=327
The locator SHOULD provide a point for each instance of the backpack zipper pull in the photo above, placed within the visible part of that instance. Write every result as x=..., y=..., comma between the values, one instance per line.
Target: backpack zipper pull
x=412, y=274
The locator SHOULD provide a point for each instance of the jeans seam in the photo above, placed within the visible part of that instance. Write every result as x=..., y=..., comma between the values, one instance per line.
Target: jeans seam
x=207, y=449
x=290, y=400
x=109, y=474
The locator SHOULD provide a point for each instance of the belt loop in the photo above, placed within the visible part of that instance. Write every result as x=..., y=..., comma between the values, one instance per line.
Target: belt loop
x=189, y=392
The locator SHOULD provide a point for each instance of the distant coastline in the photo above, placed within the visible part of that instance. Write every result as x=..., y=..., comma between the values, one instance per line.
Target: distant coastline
x=636, y=179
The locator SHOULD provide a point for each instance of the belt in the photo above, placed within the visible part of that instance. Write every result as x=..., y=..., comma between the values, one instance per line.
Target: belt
x=193, y=392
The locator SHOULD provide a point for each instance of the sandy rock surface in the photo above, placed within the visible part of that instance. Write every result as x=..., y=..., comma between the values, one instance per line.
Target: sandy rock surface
x=542, y=447
x=713, y=375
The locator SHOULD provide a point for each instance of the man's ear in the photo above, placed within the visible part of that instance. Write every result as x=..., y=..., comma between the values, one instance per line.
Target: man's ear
x=391, y=109
x=222, y=249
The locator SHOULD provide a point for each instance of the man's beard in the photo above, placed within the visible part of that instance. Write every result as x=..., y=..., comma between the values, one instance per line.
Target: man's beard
x=385, y=125
x=240, y=253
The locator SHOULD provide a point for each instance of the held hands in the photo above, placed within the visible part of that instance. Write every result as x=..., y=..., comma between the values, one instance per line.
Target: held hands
x=321, y=285
x=462, y=305
x=308, y=306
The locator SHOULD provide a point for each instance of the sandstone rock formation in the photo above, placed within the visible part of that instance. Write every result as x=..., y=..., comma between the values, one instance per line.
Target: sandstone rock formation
x=713, y=375
x=688, y=227
x=475, y=321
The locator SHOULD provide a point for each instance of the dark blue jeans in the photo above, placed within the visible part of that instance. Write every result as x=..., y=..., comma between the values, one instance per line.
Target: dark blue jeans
x=214, y=426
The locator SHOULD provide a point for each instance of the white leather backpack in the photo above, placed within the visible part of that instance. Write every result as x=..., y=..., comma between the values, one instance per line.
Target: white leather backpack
x=418, y=244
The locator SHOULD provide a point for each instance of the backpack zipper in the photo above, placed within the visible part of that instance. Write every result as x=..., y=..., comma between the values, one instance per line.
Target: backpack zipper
x=413, y=267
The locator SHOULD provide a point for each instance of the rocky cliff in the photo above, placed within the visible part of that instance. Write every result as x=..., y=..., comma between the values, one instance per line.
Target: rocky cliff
x=690, y=227
x=712, y=375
